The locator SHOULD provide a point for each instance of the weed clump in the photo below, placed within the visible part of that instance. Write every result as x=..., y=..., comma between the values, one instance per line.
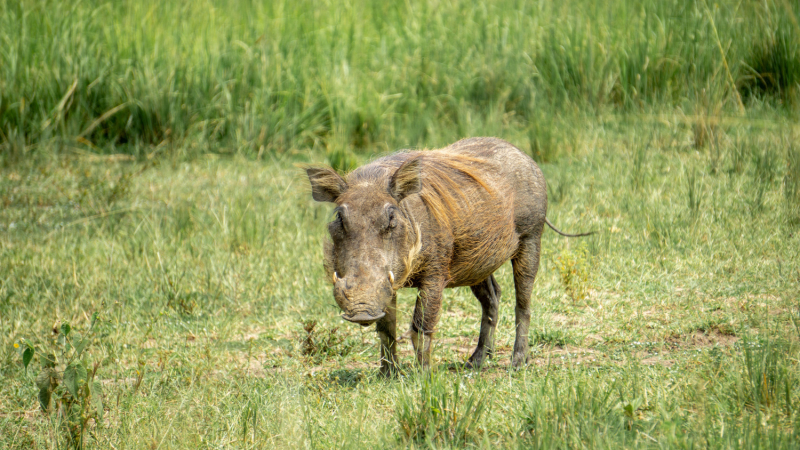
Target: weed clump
x=557, y=338
x=573, y=266
x=319, y=344
x=442, y=413
x=66, y=383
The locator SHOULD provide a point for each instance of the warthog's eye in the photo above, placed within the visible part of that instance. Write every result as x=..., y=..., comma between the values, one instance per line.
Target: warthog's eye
x=337, y=224
x=392, y=219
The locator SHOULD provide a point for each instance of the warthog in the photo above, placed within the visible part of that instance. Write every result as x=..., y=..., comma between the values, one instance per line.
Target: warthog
x=433, y=220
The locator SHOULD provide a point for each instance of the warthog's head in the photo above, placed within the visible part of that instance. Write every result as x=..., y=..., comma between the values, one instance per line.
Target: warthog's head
x=372, y=239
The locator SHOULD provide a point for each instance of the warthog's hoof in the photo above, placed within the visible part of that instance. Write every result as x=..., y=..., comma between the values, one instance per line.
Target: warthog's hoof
x=390, y=371
x=519, y=360
x=470, y=365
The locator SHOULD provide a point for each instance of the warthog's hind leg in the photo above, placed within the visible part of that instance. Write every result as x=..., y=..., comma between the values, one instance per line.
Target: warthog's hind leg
x=488, y=293
x=526, y=264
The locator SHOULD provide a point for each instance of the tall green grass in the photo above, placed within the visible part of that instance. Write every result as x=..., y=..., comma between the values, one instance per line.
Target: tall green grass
x=262, y=78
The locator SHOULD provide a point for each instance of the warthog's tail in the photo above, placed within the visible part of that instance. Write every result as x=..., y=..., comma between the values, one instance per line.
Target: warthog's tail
x=565, y=234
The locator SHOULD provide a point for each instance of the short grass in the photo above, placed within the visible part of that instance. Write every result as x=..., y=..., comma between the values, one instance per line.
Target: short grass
x=206, y=275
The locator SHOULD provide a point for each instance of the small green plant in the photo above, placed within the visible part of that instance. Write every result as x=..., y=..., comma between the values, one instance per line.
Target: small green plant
x=66, y=382
x=322, y=343
x=554, y=337
x=694, y=197
x=442, y=413
x=183, y=302
x=765, y=164
x=179, y=298
x=573, y=266
x=249, y=420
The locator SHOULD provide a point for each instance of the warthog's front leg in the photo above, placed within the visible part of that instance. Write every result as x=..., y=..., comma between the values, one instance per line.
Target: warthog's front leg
x=488, y=293
x=426, y=316
x=387, y=332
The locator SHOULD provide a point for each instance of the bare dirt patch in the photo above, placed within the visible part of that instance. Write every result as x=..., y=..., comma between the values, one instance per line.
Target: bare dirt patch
x=567, y=355
x=454, y=351
x=659, y=360
x=700, y=339
x=462, y=345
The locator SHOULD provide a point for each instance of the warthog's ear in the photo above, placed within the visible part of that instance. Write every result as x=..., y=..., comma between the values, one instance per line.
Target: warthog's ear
x=326, y=185
x=406, y=180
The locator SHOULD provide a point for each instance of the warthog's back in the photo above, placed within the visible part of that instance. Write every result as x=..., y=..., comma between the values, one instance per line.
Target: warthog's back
x=510, y=202
x=483, y=193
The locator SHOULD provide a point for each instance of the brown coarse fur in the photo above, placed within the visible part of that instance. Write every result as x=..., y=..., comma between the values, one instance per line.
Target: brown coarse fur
x=462, y=201
x=431, y=220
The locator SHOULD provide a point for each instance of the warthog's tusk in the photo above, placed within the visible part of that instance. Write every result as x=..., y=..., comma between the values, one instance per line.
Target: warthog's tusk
x=335, y=278
x=391, y=277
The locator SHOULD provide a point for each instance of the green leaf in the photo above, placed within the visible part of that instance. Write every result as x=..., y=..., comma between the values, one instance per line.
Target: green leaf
x=48, y=360
x=97, y=399
x=80, y=344
x=44, y=399
x=65, y=329
x=95, y=316
x=27, y=356
x=75, y=376
x=46, y=382
x=43, y=379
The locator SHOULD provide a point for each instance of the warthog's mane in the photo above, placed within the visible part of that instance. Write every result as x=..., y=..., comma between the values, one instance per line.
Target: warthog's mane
x=442, y=174
x=450, y=185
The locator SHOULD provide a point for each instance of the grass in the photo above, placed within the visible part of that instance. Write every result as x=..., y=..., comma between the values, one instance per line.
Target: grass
x=237, y=76
x=216, y=327
x=148, y=175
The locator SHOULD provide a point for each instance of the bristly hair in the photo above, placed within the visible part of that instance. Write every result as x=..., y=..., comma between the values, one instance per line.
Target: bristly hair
x=449, y=190
x=442, y=173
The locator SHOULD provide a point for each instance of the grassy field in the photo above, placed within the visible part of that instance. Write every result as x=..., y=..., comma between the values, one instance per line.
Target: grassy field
x=160, y=254
x=263, y=78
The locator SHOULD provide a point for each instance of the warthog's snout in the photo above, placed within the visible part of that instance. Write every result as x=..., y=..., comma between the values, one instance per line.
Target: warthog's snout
x=363, y=319
x=361, y=302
